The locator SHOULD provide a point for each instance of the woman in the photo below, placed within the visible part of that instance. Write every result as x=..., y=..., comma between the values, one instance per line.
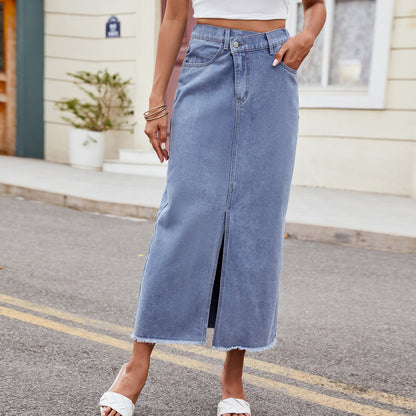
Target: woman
x=215, y=256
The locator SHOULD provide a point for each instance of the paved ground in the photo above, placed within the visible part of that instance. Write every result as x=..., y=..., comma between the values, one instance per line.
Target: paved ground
x=68, y=292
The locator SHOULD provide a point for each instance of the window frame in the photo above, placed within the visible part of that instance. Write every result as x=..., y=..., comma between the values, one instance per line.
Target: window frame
x=333, y=96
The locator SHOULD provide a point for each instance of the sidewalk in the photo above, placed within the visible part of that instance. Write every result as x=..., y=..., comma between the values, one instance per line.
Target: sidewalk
x=355, y=218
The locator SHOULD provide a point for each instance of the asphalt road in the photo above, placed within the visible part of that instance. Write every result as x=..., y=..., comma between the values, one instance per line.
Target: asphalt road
x=68, y=291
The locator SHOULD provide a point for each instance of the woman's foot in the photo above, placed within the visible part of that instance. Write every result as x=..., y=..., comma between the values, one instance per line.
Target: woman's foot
x=131, y=380
x=232, y=386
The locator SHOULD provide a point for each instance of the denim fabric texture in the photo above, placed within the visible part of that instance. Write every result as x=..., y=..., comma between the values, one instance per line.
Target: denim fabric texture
x=215, y=257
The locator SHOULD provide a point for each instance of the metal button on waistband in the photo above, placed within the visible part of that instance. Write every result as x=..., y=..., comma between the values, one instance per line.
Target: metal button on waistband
x=235, y=44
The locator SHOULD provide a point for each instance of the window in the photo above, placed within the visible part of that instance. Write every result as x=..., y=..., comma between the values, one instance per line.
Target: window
x=347, y=66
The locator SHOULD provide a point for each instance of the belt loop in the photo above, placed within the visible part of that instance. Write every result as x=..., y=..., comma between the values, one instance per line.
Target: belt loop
x=227, y=37
x=270, y=41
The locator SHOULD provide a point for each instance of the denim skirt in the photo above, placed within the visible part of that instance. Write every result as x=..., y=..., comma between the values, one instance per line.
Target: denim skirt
x=215, y=257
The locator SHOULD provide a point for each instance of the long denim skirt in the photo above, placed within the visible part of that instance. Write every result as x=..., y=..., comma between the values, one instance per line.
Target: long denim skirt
x=214, y=260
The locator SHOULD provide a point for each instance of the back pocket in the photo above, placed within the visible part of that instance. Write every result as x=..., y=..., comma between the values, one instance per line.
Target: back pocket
x=202, y=52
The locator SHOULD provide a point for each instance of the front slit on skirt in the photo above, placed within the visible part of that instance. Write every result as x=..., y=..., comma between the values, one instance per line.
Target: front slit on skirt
x=216, y=289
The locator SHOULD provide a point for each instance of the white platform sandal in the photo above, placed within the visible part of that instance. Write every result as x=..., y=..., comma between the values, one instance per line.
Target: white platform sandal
x=117, y=401
x=232, y=405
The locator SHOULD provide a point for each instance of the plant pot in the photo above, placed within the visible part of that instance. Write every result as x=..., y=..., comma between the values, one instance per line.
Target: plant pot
x=86, y=149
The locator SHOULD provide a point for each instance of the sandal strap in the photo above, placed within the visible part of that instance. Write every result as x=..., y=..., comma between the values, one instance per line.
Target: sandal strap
x=232, y=405
x=117, y=402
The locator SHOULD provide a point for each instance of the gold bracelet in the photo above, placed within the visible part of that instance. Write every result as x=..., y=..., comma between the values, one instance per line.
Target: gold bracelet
x=160, y=108
x=154, y=118
x=155, y=112
x=150, y=116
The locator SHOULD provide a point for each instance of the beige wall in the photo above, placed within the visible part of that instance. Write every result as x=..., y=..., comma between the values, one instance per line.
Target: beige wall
x=75, y=40
x=148, y=21
x=357, y=149
x=368, y=150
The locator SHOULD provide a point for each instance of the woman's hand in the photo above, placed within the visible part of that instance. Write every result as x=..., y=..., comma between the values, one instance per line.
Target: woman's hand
x=170, y=38
x=294, y=50
x=156, y=130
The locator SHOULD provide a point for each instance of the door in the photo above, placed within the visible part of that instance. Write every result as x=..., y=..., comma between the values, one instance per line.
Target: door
x=173, y=82
x=7, y=77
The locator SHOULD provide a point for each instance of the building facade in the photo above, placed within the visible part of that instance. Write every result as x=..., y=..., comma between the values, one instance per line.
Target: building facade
x=357, y=87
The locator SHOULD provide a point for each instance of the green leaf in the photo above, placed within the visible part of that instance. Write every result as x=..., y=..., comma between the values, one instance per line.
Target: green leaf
x=106, y=103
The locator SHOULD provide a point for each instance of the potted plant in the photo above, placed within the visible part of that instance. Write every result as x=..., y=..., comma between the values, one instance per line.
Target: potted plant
x=107, y=108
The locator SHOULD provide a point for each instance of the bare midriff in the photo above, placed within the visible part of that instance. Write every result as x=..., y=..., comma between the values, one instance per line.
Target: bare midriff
x=252, y=25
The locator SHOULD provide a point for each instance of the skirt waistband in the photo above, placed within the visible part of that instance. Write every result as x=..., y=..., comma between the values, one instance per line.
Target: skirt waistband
x=238, y=40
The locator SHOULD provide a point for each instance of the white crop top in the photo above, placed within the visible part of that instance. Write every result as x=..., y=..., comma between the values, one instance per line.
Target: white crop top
x=241, y=9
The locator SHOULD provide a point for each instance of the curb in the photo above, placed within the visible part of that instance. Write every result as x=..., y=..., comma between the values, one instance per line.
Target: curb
x=80, y=203
x=310, y=232
x=350, y=237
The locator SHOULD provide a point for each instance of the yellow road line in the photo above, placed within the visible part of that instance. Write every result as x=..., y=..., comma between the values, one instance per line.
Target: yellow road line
x=287, y=389
x=271, y=368
x=102, y=339
x=318, y=398
x=62, y=314
x=314, y=380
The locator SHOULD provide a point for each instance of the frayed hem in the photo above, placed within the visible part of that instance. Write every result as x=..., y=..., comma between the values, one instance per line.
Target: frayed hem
x=272, y=344
x=166, y=341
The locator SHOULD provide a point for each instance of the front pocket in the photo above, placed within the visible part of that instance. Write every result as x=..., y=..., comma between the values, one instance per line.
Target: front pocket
x=281, y=63
x=202, y=52
x=288, y=68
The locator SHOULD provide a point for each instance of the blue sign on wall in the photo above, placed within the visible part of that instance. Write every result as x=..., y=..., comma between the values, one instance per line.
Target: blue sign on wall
x=112, y=28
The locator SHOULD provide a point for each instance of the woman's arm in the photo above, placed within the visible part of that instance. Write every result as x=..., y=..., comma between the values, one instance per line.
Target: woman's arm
x=314, y=13
x=297, y=47
x=170, y=38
